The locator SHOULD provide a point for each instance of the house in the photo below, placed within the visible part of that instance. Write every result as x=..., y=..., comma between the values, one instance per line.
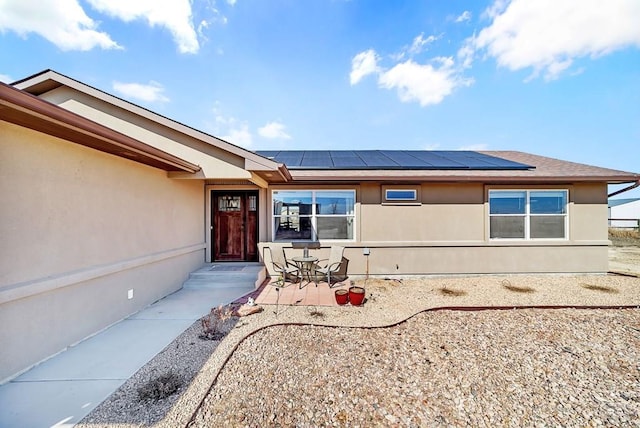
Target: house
x=101, y=197
x=624, y=213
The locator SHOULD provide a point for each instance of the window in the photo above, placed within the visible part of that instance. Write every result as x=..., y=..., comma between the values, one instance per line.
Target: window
x=528, y=214
x=313, y=214
x=401, y=195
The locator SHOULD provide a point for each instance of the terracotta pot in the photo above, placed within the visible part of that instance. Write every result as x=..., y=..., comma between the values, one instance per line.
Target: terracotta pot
x=342, y=297
x=356, y=295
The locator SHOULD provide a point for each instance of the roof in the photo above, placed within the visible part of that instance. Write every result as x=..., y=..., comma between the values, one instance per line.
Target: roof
x=48, y=80
x=21, y=108
x=391, y=159
x=617, y=202
x=545, y=170
x=361, y=165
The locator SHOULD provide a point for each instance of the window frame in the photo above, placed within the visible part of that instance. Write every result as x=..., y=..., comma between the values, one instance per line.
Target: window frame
x=314, y=215
x=416, y=189
x=528, y=215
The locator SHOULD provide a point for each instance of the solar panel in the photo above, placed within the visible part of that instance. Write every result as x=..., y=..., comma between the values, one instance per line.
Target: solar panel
x=317, y=159
x=346, y=159
x=291, y=158
x=374, y=158
x=404, y=159
x=391, y=159
x=437, y=160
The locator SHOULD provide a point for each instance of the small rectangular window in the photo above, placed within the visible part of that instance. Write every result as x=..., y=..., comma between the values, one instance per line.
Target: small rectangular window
x=406, y=195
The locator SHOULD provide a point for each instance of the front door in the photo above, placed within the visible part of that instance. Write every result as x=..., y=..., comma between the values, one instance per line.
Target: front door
x=235, y=226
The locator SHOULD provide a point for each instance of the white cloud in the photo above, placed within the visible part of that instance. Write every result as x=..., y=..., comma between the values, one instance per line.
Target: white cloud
x=62, y=22
x=231, y=129
x=363, y=64
x=152, y=92
x=474, y=147
x=465, y=16
x=420, y=42
x=231, y=2
x=174, y=15
x=418, y=45
x=548, y=35
x=425, y=83
x=6, y=78
x=240, y=136
x=274, y=130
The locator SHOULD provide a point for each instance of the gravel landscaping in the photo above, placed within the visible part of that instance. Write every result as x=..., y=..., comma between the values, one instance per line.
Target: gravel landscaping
x=543, y=367
x=447, y=368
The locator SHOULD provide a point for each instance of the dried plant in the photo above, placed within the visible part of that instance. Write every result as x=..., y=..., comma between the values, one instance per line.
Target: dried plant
x=624, y=233
x=213, y=322
x=451, y=292
x=315, y=313
x=516, y=288
x=160, y=387
x=602, y=288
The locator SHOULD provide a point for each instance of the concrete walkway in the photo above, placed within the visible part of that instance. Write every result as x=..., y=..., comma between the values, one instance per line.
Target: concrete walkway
x=62, y=390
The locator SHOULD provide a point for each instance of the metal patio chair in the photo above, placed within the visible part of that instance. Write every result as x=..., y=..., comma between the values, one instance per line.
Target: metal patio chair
x=334, y=263
x=280, y=265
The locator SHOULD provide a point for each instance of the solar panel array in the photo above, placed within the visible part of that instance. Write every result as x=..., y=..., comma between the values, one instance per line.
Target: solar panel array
x=390, y=159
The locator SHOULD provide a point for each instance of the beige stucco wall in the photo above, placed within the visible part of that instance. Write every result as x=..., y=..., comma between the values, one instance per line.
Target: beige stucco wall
x=79, y=228
x=447, y=233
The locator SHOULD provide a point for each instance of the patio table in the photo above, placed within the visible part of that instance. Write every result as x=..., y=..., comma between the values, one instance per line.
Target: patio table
x=306, y=266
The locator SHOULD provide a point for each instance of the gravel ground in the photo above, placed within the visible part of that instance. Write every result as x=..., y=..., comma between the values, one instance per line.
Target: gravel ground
x=491, y=368
x=488, y=368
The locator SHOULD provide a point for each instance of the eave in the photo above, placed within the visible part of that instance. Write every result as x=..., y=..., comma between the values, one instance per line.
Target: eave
x=21, y=108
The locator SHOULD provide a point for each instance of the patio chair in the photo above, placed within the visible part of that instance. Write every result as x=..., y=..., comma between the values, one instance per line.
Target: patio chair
x=334, y=263
x=280, y=265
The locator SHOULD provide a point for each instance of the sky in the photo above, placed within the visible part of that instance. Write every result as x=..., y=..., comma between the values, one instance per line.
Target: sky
x=558, y=78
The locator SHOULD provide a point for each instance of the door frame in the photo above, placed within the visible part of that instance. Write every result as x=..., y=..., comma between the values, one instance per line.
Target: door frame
x=212, y=193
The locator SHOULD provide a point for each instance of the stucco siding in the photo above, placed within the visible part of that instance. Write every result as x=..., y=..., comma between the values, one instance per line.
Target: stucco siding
x=588, y=215
x=446, y=213
x=79, y=228
x=447, y=232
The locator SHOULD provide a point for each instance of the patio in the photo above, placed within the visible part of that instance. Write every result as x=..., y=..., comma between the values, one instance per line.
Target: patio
x=291, y=294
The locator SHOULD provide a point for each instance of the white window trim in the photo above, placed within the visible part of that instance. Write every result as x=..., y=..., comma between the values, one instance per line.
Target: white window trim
x=388, y=199
x=314, y=216
x=527, y=215
x=416, y=189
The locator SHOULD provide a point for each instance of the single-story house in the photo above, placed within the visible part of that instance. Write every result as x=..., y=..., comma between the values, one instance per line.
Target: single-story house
x=100, y=196
x=624, y=213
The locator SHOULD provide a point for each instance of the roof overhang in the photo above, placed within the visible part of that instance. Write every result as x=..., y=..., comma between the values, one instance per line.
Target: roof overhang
x=258, y=166
x=21, y=108
x=450, y=176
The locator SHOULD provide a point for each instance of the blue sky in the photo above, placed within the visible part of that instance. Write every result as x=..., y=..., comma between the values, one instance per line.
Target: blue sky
x=558, y=78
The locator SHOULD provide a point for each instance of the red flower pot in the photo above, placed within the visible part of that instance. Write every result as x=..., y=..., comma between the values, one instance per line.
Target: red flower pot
x=342, y=297
x=356, y=295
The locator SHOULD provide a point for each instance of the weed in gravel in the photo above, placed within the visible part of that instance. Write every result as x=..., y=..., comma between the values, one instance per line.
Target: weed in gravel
x=213, y=322
x=160, y=387
x=451, y=292
x=315, y=313
x=601, y=288
x=516, y=288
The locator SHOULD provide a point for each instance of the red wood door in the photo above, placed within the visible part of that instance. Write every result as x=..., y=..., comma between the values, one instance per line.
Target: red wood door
x=235, y=226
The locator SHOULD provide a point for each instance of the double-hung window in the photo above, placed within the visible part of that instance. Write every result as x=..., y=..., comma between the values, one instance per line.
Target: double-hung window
x=528, y=214
x=313, y=214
